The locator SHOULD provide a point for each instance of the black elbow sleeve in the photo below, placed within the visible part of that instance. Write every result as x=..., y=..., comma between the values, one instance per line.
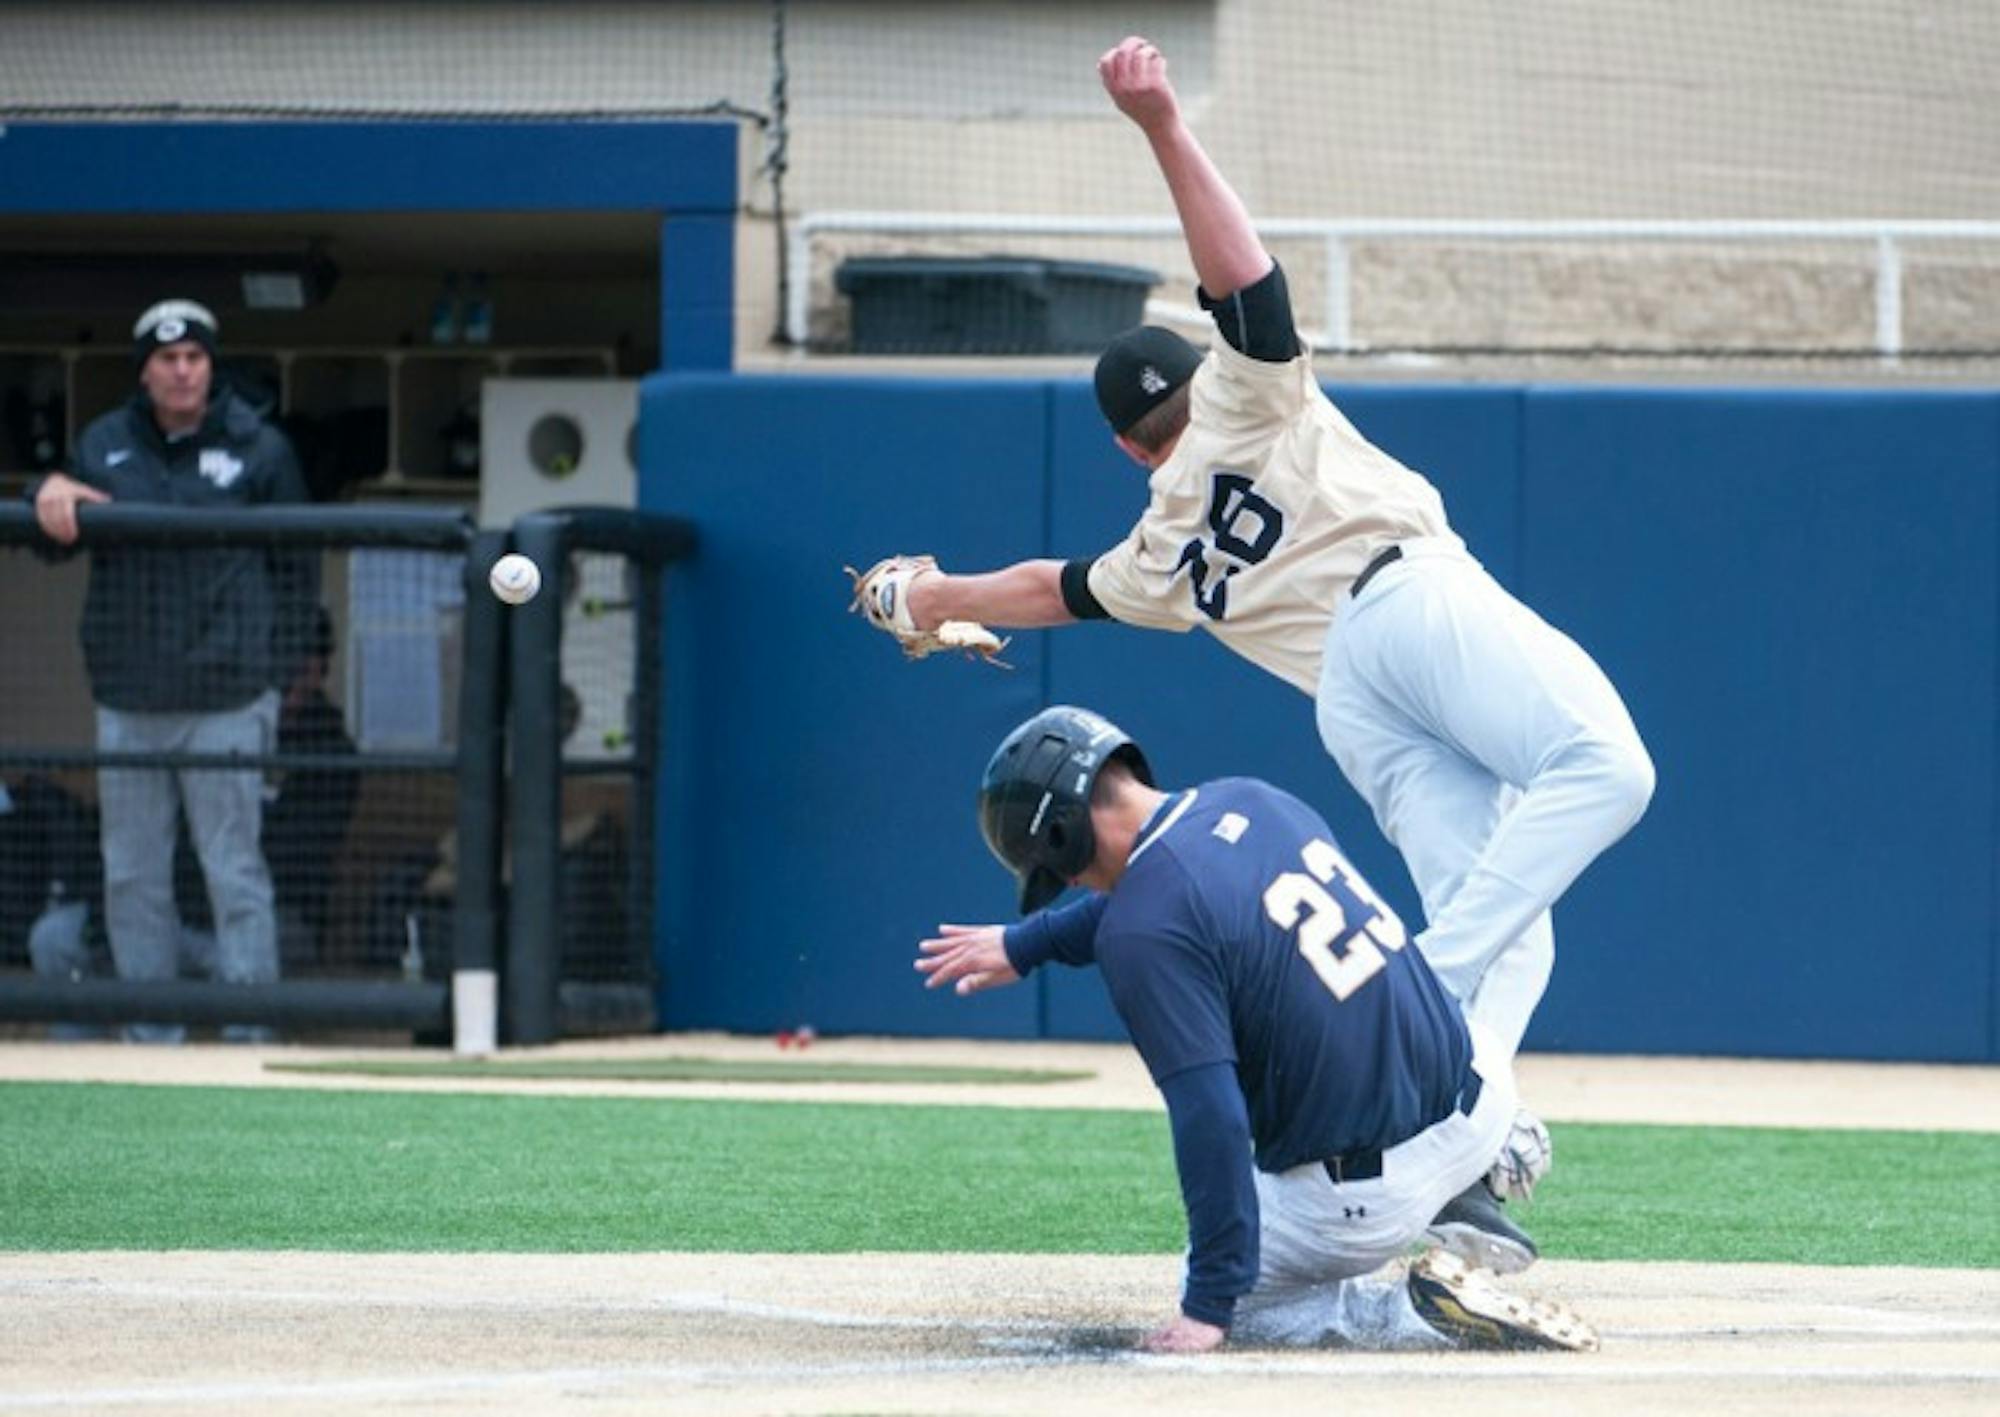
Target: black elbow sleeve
x=1076, y=595
x=1257, y=320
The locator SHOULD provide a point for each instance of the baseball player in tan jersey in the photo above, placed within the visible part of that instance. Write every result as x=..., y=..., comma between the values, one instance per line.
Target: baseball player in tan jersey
x=1494, y=753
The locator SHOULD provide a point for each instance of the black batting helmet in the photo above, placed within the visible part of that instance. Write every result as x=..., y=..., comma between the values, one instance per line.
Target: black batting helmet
x=1034, y=802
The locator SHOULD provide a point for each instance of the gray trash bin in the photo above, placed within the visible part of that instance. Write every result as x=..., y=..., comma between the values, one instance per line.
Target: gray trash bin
x=989, y=304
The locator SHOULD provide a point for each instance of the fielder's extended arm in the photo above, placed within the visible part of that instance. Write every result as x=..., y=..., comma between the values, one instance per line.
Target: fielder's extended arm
x=1025, y=596
x=1227, y=254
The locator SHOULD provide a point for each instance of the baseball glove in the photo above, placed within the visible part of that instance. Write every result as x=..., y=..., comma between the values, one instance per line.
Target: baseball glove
x=882, y=594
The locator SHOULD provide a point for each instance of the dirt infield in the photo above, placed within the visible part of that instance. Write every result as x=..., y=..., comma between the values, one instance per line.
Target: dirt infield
x=300, y=1334
x=307, y=1333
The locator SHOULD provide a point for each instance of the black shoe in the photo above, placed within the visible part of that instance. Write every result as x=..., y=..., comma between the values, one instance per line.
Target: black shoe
x=1469, y=1307
x=1476, y=1227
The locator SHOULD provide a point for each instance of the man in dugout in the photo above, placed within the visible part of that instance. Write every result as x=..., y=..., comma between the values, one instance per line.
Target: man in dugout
x=185, y=647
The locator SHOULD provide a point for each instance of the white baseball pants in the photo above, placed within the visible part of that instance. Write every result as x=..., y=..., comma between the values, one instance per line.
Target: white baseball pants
x=1493, y=752
x=1321, y=1245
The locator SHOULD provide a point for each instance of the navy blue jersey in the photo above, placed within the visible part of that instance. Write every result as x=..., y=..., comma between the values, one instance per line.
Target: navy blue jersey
x=1240, y=935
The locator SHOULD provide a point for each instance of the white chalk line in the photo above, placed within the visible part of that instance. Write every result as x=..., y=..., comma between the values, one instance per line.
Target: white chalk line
x=1862, y=1321
x=352, y=1299
x=1912, y=1329
x=1896, y=1316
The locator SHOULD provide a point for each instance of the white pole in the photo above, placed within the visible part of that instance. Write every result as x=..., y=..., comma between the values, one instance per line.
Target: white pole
x=798, y=274
x=475, y=1013
x=1339, y=294
x=1888, y=297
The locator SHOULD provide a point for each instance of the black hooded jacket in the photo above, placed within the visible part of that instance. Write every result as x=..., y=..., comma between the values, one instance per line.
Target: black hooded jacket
x=193, y=629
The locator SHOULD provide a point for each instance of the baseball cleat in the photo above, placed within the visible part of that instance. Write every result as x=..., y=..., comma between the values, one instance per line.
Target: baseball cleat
x=1476, y=1227
x=1524, y=1159
x=1469, y=1308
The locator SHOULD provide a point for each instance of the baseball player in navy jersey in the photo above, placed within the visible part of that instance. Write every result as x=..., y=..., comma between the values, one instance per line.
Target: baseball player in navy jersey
x=1327, y=1097
x=1492, y=751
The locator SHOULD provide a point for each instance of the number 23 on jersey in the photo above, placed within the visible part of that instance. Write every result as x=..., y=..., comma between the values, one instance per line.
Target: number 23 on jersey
x=1344, y=956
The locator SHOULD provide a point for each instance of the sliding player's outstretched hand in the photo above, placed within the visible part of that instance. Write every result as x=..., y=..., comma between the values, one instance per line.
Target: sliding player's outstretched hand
x=968, y=957
x=1135, y=75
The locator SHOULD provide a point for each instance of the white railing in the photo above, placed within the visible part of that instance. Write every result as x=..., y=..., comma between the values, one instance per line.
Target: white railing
x=1888, y=237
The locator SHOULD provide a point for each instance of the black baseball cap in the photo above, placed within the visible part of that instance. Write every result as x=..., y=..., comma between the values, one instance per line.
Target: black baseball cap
x=1137, y=371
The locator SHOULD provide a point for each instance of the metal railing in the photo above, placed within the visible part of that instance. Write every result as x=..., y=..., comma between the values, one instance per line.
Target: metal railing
x=539, y=1003
x=1887, y=238
x=420, y=1004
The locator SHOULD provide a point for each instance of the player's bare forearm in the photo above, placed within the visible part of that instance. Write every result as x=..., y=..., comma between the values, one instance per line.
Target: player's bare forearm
x=1220, y=238
x=1025, y=596
x=1223, y=244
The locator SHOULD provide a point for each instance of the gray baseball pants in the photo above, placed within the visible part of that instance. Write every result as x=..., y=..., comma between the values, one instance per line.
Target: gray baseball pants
x=225, y=814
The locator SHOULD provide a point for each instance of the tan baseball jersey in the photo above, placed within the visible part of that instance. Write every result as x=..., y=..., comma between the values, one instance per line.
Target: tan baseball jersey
x=1268, y=509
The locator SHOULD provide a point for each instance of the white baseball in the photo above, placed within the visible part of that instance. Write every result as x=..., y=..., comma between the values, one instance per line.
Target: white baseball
x=515, y=579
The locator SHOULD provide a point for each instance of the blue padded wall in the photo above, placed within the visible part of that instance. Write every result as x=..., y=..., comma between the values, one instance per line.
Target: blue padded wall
x=821, y=803
x=1797, y=594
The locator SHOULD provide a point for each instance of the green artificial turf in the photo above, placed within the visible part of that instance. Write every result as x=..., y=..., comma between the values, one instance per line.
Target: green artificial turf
x=91, y=1166
x=1768, y=1193
x=88, y=1166
x=798, y=1069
